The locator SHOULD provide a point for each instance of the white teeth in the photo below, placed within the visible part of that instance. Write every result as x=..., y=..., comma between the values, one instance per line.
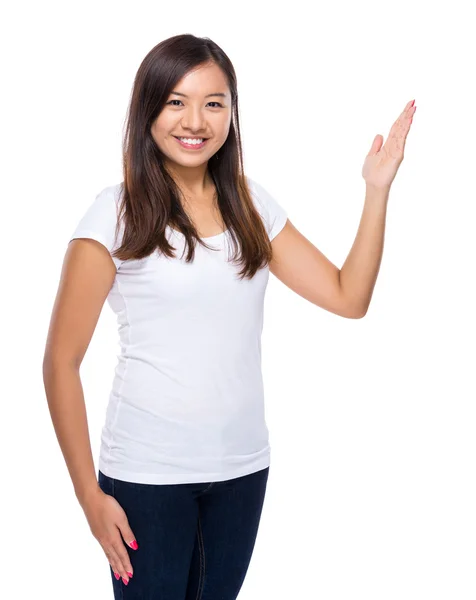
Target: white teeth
x=190, y=141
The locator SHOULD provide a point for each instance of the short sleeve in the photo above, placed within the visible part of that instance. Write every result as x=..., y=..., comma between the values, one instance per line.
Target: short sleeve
x=99, y=221
x=273, y=214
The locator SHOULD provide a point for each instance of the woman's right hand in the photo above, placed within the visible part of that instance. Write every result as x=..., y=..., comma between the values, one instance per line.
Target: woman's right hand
x=107, y=521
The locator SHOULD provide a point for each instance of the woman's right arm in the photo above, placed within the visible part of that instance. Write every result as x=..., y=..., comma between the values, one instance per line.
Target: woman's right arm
x=87, y=276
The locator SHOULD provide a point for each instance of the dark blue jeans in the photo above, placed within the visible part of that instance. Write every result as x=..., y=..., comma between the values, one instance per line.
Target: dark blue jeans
x=195, y=539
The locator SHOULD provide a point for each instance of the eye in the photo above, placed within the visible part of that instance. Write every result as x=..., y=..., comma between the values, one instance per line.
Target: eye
x=218, y=103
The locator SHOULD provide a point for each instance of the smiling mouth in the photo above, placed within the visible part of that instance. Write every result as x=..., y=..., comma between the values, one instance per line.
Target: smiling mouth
x=188, y=138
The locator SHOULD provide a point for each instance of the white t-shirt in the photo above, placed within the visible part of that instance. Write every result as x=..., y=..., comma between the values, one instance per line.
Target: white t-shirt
x=187, y=402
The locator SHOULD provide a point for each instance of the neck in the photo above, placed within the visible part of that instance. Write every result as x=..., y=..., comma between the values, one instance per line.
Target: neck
x=192, y=180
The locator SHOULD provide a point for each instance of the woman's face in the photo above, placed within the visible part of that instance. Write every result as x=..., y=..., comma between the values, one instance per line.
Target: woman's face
x=201, y=108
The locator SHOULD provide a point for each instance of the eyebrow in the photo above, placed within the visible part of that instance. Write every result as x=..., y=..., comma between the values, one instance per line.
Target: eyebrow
x=207, y=96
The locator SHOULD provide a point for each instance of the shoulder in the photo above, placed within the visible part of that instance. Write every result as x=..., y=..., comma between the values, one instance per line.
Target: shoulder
x=273, y=213
x=99, y=220
x=109, y=197
x=257, y=191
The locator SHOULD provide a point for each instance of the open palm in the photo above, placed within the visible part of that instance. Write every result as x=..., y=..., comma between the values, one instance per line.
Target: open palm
x=382, y=162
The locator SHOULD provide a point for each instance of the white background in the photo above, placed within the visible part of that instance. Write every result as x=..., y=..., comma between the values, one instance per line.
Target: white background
x=372, y=489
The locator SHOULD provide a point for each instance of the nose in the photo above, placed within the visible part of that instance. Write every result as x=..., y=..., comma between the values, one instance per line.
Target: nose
x=193, y=120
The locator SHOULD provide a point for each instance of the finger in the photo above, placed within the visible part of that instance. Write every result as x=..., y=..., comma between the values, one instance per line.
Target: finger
x=127, y=533
x=402, y=125
x=124, y=558
x=409, y=110
x=395, y=144
x=404, y=117
x=114, y=561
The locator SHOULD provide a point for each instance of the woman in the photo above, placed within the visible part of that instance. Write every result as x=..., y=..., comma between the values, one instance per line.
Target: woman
x=182, y=251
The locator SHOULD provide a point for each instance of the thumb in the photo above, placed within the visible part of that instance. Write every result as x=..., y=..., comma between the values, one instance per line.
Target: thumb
x=376, y=145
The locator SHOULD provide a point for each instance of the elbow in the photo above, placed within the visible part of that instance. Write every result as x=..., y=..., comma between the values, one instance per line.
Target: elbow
x=54, y=362
x=361, y=314
x=352, y=307
x=356, y=312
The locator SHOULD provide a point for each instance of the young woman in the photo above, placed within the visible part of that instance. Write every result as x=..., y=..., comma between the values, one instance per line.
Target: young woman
x=182, y=249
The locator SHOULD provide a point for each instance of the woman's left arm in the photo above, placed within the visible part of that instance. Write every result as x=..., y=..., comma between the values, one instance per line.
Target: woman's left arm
x=304, y=269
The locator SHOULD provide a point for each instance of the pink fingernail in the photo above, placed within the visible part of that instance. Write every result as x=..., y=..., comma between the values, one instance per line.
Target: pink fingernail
x=125, y=581
x=130, y=574
x=134, y=545
x=116, y=575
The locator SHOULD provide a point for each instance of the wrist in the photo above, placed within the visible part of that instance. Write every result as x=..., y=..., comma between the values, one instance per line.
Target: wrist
x=380, y=194
x=86, y=495
x=376, y=189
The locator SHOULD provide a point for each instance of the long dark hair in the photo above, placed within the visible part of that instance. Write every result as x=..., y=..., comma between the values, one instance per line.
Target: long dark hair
x=150, y=196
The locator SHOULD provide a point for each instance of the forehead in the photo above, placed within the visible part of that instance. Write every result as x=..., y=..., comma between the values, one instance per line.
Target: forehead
x=202, y=80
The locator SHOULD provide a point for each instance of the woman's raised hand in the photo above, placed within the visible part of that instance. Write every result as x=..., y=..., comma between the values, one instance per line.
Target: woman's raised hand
x=382, y=162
